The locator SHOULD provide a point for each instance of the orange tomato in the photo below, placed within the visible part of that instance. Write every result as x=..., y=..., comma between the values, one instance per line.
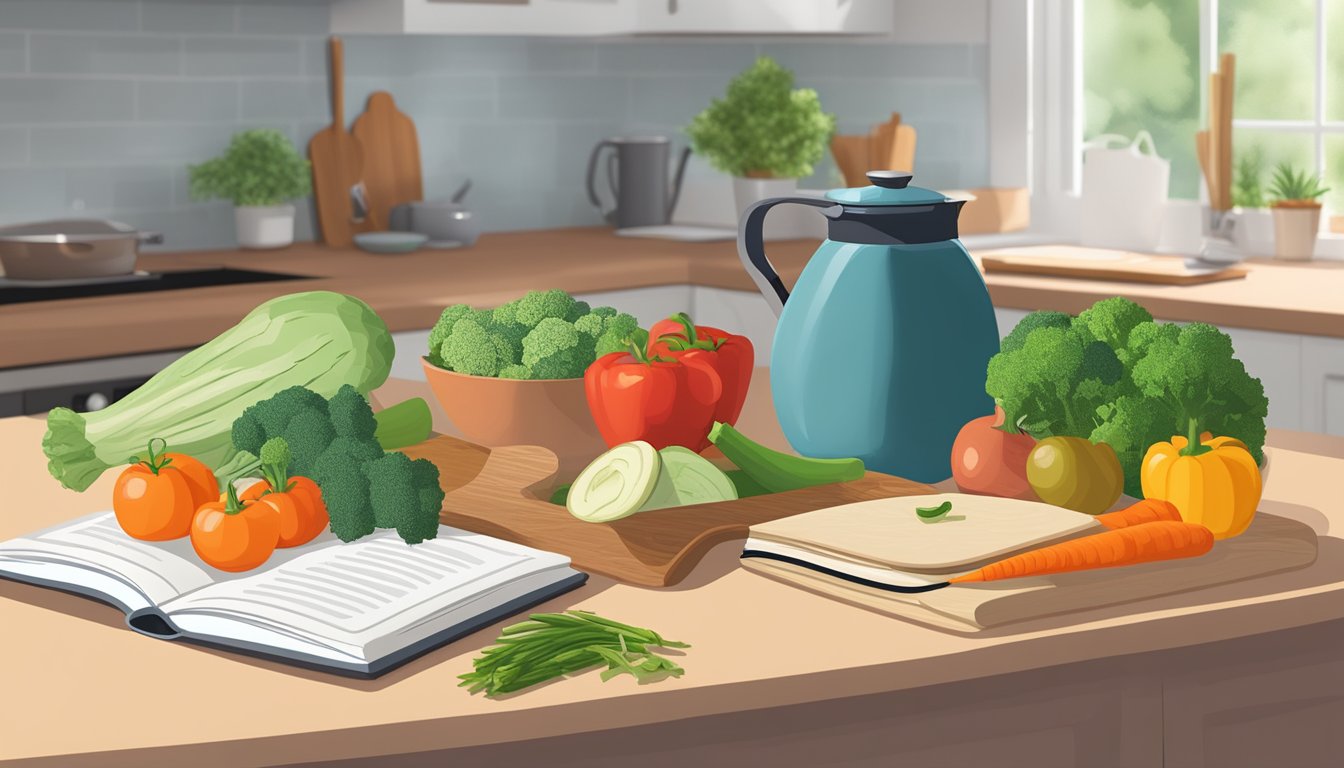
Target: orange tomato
x=155, y=499
x=235, y=535
x=303, y=515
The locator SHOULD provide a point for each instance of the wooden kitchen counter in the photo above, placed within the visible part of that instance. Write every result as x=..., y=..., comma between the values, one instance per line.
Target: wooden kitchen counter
x=409, y=291
x=81, y=689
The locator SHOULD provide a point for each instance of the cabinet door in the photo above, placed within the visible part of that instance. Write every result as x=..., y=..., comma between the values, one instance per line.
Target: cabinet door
x=1273, y=700
x=410, y=346
x=484, y=17
x=764, y=16
x=1322, y=385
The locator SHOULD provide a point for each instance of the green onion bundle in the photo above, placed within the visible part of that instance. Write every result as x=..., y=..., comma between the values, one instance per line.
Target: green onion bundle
x=551, y=645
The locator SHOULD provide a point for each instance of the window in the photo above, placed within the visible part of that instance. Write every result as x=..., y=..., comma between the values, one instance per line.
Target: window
x=1146, y=64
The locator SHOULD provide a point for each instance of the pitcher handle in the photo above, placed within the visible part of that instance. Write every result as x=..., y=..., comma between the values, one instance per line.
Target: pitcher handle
x=592, y=176
x=676, y=182
x=751, y=247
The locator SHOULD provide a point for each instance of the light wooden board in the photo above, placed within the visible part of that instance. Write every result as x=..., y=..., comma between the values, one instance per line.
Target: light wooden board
x=1271, y=545
x=503, y=492
x=1102, y=264
x=392, y=173
x=338, y=162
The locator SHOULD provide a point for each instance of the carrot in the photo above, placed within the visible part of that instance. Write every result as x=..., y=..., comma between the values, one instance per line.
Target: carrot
x=1143, y=543
x=1146, y=511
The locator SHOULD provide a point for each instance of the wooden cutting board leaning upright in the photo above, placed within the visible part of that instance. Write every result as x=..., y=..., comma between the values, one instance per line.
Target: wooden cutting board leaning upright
x=338, y=163
x=391, y=155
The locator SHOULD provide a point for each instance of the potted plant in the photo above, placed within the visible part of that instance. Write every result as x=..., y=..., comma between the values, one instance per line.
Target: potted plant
x=1297, y=212
x=260, y=173
x=1255, y=226
x=763, y=132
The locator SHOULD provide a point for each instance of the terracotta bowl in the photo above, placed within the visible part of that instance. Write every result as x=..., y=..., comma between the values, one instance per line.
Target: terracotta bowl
x=552, y=413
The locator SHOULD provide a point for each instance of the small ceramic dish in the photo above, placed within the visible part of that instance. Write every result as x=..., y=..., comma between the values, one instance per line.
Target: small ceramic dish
x=389, y=242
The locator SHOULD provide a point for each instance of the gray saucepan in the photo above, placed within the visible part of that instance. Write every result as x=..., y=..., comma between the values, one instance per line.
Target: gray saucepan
x=70, y=248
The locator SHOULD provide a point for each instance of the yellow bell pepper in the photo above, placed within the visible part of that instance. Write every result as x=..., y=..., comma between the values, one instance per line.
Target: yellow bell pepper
x=1214, y=482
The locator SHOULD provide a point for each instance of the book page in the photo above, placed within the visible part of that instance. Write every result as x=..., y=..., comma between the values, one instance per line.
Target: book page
x=93, y=552
x=348, y=596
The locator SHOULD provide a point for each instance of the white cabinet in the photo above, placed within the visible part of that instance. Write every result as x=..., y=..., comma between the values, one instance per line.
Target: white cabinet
x=1323, y=385
x=483, y=17
x=763, y=17
x=574, y=18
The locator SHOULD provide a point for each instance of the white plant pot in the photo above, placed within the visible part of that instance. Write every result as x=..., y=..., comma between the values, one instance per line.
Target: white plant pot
x=264, y=226
x=1295, y=231
x=785, y=222
x=1255, y=231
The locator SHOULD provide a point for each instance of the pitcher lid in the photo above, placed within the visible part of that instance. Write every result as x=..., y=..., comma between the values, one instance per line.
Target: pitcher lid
x=888, y=188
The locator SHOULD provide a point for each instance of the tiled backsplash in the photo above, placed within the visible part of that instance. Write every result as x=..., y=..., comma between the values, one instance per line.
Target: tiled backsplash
x=103, y=103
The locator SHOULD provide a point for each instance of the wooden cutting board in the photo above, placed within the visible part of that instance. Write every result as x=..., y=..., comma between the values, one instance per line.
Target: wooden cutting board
x=338, y=162
x=1271, y=545
x=391, y=155
x=1102, y=264
x=502, y=492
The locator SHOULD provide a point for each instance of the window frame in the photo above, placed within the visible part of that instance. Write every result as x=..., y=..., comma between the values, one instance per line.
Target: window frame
x=1055, y=133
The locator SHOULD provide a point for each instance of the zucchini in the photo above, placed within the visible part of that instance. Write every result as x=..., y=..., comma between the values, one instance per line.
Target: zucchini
x=778, y=472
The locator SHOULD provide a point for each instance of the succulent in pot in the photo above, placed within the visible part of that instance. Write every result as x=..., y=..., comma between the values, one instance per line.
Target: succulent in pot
x=260, y=173
x=1297, y=211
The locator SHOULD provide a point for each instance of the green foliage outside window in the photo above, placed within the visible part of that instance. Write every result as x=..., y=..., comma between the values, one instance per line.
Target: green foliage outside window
x=259, y=168
x=763, y=126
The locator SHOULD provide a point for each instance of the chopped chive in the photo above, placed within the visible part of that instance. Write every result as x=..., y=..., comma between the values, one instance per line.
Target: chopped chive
x=930, y=514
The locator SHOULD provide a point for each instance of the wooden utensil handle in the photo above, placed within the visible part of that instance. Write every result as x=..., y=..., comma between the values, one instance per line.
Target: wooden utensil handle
x=338, y=82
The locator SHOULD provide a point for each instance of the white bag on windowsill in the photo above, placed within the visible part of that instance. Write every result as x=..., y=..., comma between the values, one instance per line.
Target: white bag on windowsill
x=1124, y=193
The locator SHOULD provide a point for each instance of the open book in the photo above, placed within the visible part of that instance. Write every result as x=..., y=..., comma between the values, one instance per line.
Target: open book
x=359, y=609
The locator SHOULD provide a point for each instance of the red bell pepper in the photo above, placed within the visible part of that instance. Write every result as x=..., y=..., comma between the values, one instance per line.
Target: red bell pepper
x=664, y=401
x=732, y=356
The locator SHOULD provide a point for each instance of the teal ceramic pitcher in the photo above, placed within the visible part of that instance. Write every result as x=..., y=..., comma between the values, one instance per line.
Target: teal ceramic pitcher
x=882, y=346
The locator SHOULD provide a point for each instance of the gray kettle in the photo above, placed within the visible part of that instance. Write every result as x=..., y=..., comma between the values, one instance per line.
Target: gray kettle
x=637, y=172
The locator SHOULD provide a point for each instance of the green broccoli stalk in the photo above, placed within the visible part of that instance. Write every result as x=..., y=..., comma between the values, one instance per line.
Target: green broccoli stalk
x=339, y=472
x=309, y=424
x=405, y=495
x=1054, y=382
x=275, y=459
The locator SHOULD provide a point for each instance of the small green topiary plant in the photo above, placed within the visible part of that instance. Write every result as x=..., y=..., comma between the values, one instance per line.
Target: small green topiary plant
x=1247, y=191
x=763, y=127
x=259, y=168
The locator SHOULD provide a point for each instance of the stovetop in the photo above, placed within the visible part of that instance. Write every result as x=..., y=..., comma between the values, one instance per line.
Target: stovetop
x=152, y=282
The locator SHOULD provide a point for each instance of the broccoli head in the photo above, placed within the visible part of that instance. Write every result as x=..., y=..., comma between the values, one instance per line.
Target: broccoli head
x=556, y=350
x=518, y=371
x=591, y=325
x=351, y=415
x=605, y=313
x=619, y=329
x=470, y=350
x=275, y=452
x=540, y=305
x=308, y=434
x=1112, y=321
x=1040, y=319
x=1054, y=383
x=345, y=491
x=405, y=495
x=443, y=328
x=269, y=418
x=1127, y=426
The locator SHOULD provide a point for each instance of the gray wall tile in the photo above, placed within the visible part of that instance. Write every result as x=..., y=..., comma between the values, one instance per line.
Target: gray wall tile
x=110, y=121
x=579, y=97
x=675, y=57
x=285, y=99
x=130, y=145
x=118, y=189
x=246, y=56
x=284, y=19
x=103, y=15
x=13, y=145
x=195, y=18
x=13, y=52
x=186, y=100
x=58, y=99
x=89, y=54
